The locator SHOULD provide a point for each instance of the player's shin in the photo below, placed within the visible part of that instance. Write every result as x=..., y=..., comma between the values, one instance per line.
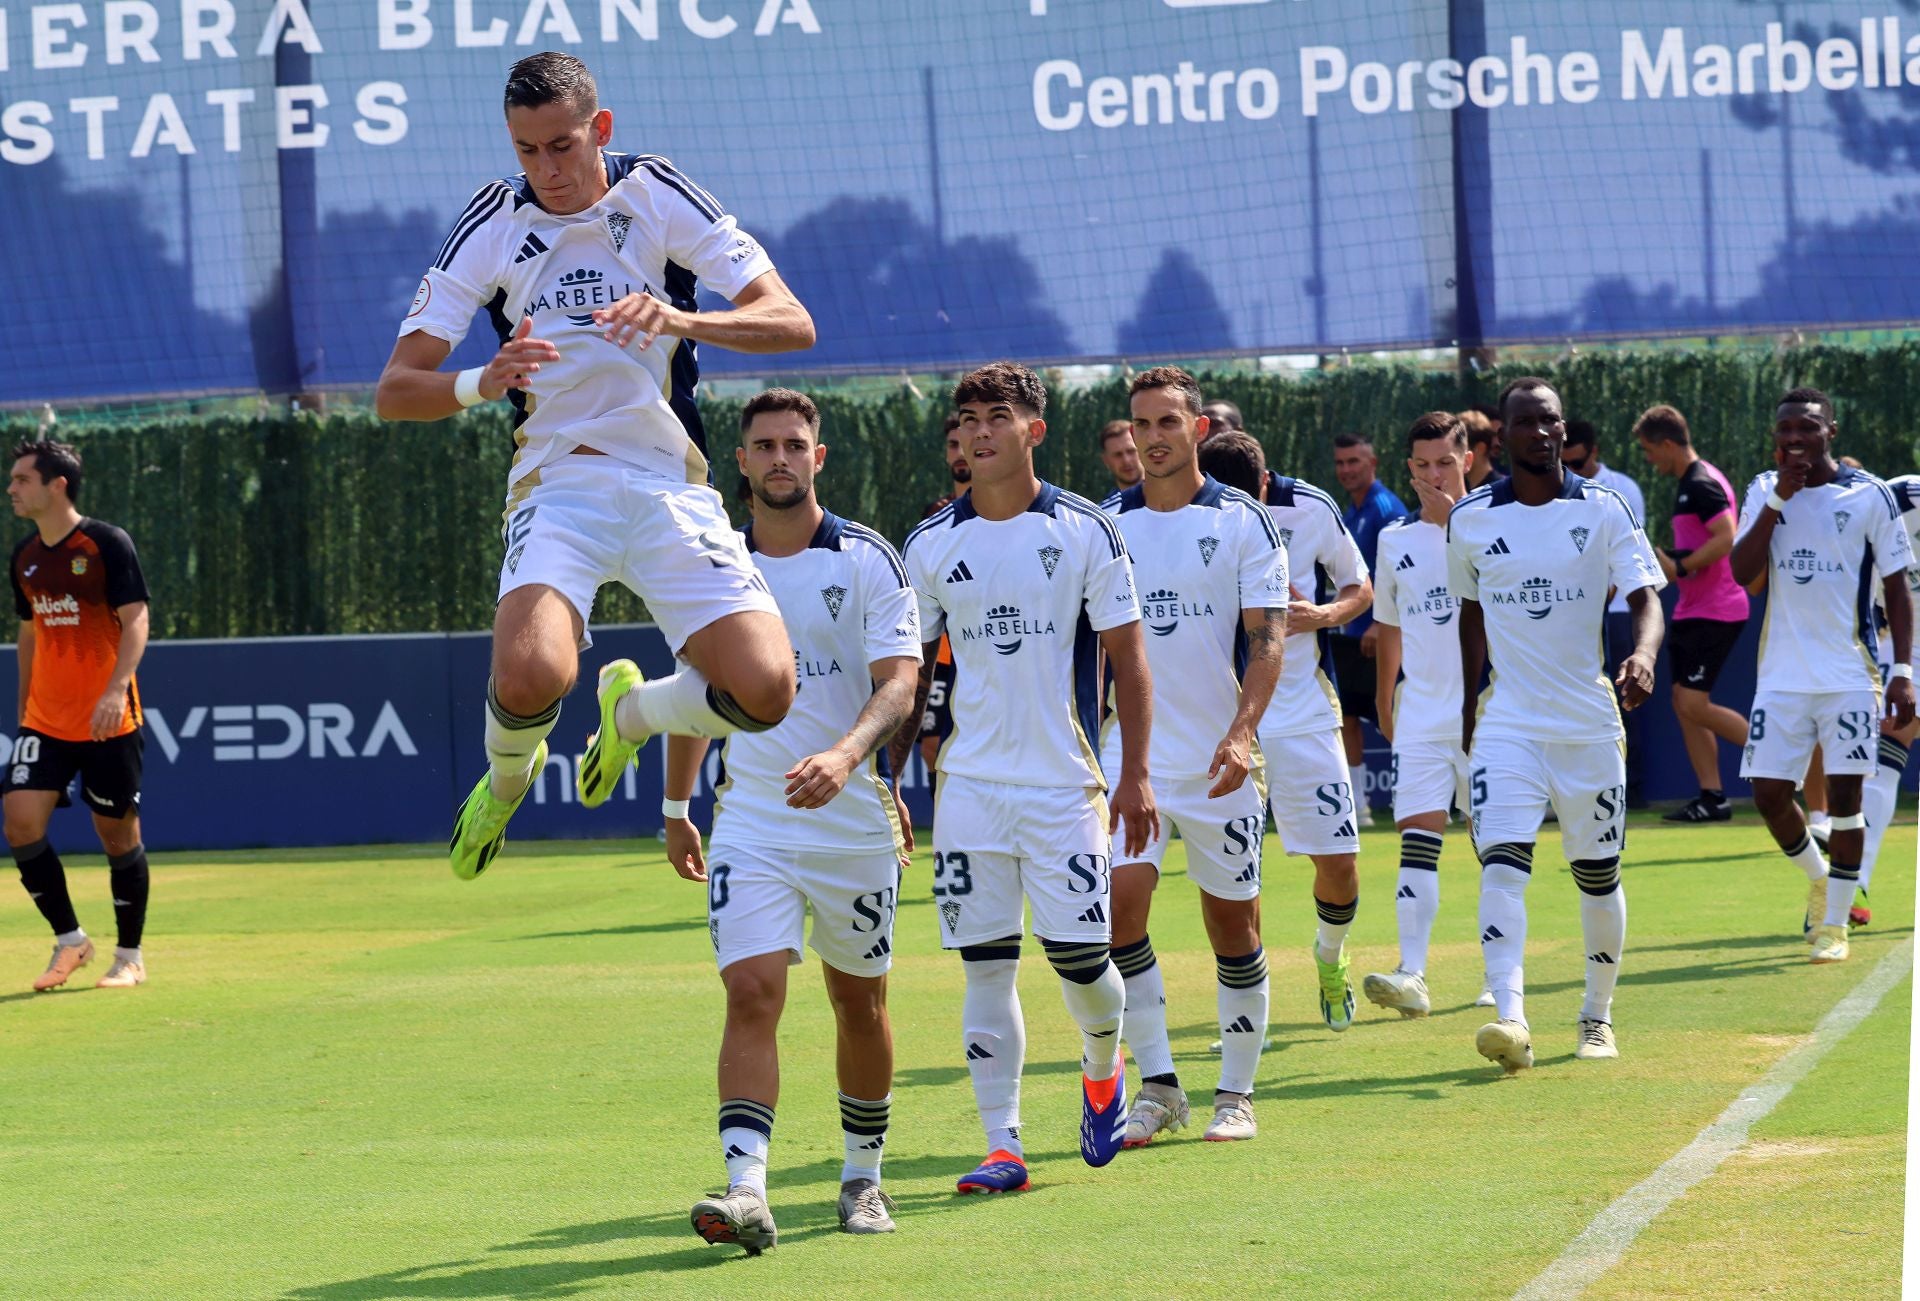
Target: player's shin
x=1243, y=1018
x=511, y=740
x=46, y=884
x=1506, y=870
x=1878, y=801
x=1416, y=896
x=1603, y=928
x=685, y=704
x=994, y=1038
x=1146, y=1012
x=128, y=876
x=1843, y=876
x=1096, y=998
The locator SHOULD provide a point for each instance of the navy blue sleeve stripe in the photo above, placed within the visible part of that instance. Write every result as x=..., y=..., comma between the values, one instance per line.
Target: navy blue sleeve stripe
x=666, y=164
x=464, y=231
x=1308, y=490
x=881, y=545
x=478, y=201
x=941, y=516
x=1260, y=513
x=685, y=188
x=1087, y=508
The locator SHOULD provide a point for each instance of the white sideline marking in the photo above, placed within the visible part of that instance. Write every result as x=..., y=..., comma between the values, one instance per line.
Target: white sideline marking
x=1603, y=1242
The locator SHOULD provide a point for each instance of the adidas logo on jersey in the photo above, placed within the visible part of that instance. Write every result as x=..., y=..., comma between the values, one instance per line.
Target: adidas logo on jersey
x=878, y=951
x=1406, y=562
x=1491, y=934
x=960, y=573
x=1094, y=914
x=975, y=1053
x=1241, y=1025
x=1601, y=957
x=1207, y=547
x=533, y=248
x=1499, y=548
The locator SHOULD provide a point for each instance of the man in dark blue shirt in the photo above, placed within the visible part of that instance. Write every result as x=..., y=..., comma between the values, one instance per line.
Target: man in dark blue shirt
x=1373, y=508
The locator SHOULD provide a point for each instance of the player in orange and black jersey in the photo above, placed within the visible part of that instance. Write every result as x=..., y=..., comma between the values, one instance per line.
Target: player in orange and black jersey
x=82, y=603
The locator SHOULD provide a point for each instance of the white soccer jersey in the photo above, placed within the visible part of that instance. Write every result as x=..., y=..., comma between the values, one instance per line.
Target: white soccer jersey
x=1322, y=558
x=1818, y=633
x=1906, y=495
x=1196, y=569
x=1410, y=592
x=655, y=232
x=846, y=603
x=1541, y=574
x=1022, y=602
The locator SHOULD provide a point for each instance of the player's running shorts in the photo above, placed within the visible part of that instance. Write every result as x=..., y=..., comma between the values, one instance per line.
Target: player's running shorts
x=1222, y=836
x=1697, y=648
x=1512, y=779
x=757, y=901
x=109, y=770
x=1311, y=792
x=1784, y=726
x=593, y=520
x=995, y=843
x=1428, y=777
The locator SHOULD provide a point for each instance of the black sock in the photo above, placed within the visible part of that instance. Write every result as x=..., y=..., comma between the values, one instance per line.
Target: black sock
x=46, y=883
x=1713, y=796
x=128, y=875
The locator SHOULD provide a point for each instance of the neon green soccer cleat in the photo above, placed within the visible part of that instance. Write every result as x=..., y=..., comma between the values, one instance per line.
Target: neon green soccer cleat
x=480, y=828
x=608, y=754
x=1336, y=992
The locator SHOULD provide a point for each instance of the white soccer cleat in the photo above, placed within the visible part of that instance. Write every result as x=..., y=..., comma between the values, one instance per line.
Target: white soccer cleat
x=1232, y=1120
x=1508, y=1043
x=1158, y=1110
x=125, y=973
x=1816, y=907
x=1486, y=995
x=1403, y=991
x=1596, y=1041
x=1829, y=944
x=864, y=1208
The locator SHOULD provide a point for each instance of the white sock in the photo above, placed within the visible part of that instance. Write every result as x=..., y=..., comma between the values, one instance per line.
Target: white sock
x=1821, y=820
x=994, y=1038
x=1416, y=896
x=128, y=955
x=71, y=939
x=1146, y=1008
x=1503, y=936
x=1841, y=881
x=1808, y=858
x=1603, y=928
x=510, y=742
x=1336, y=919
x=1097, y=1008
x=864, y=1127
x=684, y=704
x=1881, y=794
x=1243, y=1018
x=746, y=1131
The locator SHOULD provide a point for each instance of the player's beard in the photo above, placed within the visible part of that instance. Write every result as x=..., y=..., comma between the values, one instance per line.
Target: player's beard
x=962, y=472
x=774, y=500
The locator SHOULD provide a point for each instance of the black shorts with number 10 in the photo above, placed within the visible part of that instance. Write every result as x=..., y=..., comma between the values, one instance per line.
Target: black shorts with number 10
x=109, y=770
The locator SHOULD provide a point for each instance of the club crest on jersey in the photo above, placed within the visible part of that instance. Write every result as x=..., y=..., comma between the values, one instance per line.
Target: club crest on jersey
x=79, y=565
x=1049, y=559
x=618, y=223
x=1207, y=547
x=1840, y=518
x=834, y=596
x=1286, y=537
x=950, y=913
x=1580, y=536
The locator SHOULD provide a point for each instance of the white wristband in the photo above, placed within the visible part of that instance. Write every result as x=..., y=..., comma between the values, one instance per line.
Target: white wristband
x=675, y=808
x=1900, y=671
x=466, y=386
x=1776, y=501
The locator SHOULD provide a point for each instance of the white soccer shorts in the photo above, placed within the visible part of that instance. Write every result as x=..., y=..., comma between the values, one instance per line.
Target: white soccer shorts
x=1428, y=777
x=757, y=900
x=593, y=520
x=1222, y=836
x=1785, y=726
x=1512, y=779
x=1311, y=793
x=994, y=843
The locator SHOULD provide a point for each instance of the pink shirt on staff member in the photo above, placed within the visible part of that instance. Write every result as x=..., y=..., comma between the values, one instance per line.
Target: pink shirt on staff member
x=1703, y=494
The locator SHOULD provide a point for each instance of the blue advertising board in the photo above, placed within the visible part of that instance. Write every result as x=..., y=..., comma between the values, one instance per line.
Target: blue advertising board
x=242, y=194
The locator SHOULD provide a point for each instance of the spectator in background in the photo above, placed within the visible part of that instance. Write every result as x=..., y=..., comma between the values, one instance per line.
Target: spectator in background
x=936, y=722
x=957, y=465
x=1117, y=450
x=1581, y=455
x=1712, y=608
x=1222, y=416
x=1373, y=508
x=1483, y=437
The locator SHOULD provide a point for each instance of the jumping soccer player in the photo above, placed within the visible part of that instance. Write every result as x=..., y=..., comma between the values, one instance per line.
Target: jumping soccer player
x=1819, y=530
x=1028, y=582
x=1213, y=579
x=805, y=820
x=1414, y=611
x=82, y=604
x=1896, y=743
x=587, y=263
x=1530, y=562
x=1311, y=790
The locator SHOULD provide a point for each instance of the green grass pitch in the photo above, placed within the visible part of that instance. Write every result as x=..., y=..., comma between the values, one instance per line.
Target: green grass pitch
x=353, y=1076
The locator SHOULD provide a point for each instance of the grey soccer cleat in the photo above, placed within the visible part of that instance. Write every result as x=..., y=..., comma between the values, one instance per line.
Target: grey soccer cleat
x=1403, y=991
x=741, y=1215
x=1596, y=1041
x=1232, y=1119
x=1158, y=1110
x=864, y=1208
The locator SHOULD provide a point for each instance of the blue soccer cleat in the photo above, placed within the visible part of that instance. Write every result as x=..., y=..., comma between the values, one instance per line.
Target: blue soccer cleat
x=1103, y=1116
x=1001, y=1172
